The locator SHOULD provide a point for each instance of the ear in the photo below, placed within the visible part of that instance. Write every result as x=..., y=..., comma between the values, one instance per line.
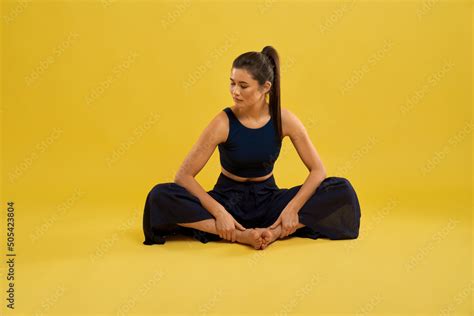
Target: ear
x=268, y=86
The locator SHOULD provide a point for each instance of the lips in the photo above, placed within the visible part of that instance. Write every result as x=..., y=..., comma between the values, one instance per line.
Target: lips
x=237, y=99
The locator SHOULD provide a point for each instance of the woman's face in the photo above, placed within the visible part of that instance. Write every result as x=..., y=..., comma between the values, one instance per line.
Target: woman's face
x=244, y=89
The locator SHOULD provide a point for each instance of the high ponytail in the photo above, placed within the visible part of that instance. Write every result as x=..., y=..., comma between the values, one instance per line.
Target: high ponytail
x=265, y=66
x=275, y=105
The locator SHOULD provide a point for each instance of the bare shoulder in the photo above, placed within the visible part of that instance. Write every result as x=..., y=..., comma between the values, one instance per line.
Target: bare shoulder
x=218, y=127
x=212, y=135
x=291, y=124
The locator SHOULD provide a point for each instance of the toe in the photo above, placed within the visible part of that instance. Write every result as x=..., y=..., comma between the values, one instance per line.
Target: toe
x=255, y=234
x=268, y=236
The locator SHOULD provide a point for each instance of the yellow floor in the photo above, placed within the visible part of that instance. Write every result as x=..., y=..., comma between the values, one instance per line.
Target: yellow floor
x=108, y=97
x=411, y=265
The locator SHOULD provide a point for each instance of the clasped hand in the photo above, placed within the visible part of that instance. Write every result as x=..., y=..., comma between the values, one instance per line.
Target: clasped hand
x=226, y=224
x=288, y=220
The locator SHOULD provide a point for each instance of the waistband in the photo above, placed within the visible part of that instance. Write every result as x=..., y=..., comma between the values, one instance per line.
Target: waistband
x=223, y=179
x=248, y=189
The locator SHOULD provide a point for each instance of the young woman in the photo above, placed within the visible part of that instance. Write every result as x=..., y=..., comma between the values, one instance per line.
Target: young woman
x=246, y=205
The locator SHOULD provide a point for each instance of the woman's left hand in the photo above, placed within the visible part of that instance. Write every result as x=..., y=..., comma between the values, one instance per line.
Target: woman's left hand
x=289, y=220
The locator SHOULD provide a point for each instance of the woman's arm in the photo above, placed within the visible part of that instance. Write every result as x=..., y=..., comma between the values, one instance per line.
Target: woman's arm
x=213, y=134
x=308, y=154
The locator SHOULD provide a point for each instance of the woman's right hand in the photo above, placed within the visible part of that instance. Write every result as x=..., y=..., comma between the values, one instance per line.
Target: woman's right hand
x=226, y=226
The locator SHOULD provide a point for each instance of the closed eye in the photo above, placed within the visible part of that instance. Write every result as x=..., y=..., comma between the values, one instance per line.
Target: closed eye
x=233, y=84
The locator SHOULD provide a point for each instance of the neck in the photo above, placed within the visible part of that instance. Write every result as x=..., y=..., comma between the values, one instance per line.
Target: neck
x=255, y=111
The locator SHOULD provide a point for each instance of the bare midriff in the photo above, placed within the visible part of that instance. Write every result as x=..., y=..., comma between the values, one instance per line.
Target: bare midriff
x=241, y=179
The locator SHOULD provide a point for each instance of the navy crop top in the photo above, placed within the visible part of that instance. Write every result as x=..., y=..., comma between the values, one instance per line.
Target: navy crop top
x=249, y=152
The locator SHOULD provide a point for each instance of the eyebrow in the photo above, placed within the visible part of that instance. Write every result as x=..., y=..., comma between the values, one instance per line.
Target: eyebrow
x=239, y=81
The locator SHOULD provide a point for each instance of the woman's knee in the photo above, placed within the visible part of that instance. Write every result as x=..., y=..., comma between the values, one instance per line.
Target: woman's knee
x=339, y=183
x=160, y=190
x=346, y=195
x=353, y=205
x=333, y=180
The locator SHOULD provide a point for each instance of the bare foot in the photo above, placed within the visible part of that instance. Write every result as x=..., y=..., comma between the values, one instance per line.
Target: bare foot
x=250, y=237
x=269, y=235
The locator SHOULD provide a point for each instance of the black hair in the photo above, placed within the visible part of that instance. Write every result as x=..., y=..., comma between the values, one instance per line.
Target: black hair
x=265, y=66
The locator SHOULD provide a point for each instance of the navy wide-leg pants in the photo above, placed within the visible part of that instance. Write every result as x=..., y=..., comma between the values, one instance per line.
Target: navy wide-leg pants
x=332, y=212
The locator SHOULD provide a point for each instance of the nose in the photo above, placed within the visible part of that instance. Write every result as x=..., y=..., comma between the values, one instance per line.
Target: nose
x=235, y=92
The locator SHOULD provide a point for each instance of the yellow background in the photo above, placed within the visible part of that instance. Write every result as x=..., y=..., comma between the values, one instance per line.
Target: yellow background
x=101, y=100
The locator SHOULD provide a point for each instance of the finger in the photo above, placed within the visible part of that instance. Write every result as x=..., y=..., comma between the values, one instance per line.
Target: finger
x=233, y=236
x=290, y=231
x=276, y=223
x=296, y=228
x=239, y=226
x=282, y=232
